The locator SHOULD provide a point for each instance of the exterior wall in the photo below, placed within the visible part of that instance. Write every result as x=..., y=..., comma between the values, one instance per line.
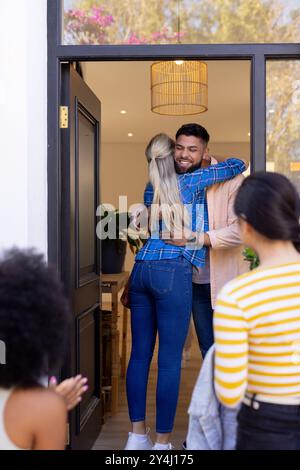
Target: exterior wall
x=23, y=124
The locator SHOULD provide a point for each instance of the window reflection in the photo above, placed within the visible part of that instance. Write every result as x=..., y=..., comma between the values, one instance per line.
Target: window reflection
x=201, y=21
x=283, y=124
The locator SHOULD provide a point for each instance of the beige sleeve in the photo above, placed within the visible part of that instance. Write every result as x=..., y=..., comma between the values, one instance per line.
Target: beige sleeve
x=228, y=237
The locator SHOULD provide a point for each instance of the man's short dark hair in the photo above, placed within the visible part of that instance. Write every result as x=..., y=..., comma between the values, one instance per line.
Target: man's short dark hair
x=195, y=130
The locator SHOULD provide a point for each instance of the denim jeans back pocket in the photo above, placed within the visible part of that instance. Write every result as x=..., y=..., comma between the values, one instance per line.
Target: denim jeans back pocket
x=161, y=278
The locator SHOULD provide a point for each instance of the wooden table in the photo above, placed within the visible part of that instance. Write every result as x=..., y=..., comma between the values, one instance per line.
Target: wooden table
x=112, y=284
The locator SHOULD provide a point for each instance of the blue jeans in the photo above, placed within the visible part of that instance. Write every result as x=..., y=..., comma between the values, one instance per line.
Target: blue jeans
x=203, y=316
x=161, y=301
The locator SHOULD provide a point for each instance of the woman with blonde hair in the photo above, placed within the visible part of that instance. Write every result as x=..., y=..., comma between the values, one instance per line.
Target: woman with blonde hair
x=161, y=285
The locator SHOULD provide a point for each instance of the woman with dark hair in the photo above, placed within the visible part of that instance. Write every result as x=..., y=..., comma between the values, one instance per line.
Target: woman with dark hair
x=257, y=319
x=34, y=324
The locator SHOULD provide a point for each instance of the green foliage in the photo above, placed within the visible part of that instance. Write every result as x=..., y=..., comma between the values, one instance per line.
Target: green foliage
x=201, y=21
x=136, y=21
x=251, y=256
x=283, y=107
x=240, y=21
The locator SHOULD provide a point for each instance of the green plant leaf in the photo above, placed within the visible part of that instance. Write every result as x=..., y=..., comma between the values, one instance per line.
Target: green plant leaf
x=251, y=257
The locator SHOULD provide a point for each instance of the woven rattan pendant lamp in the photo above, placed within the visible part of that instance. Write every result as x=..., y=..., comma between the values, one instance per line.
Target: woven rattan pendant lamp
x=179, y=87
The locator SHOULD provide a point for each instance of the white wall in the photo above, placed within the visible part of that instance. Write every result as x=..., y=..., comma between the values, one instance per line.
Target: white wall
x=23, y=124
x=230, y=149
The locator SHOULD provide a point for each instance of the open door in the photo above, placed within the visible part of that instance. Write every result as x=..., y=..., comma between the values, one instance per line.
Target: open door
x=80, y=260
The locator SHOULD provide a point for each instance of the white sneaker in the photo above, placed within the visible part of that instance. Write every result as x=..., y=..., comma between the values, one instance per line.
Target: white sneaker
x=134, y=442
x=157, y=447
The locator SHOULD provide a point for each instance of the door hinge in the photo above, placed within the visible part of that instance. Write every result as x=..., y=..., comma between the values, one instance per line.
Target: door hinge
x=68, y=435
x=64, y=117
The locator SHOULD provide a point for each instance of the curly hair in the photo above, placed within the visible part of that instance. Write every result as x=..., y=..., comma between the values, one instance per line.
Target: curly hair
x=34, y=318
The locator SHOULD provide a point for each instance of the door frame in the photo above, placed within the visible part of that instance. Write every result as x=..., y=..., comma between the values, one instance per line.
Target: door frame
x=257, y=54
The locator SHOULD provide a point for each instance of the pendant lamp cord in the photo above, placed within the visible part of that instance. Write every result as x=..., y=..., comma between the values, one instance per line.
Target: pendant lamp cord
x=178, y=22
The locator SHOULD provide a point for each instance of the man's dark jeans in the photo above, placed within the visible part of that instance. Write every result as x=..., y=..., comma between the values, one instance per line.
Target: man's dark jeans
x=271, y=427
x=203, y=316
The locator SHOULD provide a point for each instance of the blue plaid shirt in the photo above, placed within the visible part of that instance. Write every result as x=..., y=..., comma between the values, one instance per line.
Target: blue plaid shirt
x=192, y=188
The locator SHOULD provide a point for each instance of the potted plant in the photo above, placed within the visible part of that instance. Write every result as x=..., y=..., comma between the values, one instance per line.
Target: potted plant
x=114, y=245
x=252, y=257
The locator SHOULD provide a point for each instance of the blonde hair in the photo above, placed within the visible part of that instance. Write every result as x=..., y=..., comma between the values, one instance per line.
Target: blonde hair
x=162, y=176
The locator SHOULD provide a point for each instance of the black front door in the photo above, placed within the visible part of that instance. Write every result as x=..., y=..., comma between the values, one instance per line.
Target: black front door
x=80, y=196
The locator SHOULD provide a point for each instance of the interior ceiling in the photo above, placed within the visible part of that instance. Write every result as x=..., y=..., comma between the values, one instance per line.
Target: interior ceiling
x=126, y=86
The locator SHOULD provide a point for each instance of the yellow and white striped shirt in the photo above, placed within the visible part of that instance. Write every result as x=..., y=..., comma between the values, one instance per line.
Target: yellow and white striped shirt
x=257, y=334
